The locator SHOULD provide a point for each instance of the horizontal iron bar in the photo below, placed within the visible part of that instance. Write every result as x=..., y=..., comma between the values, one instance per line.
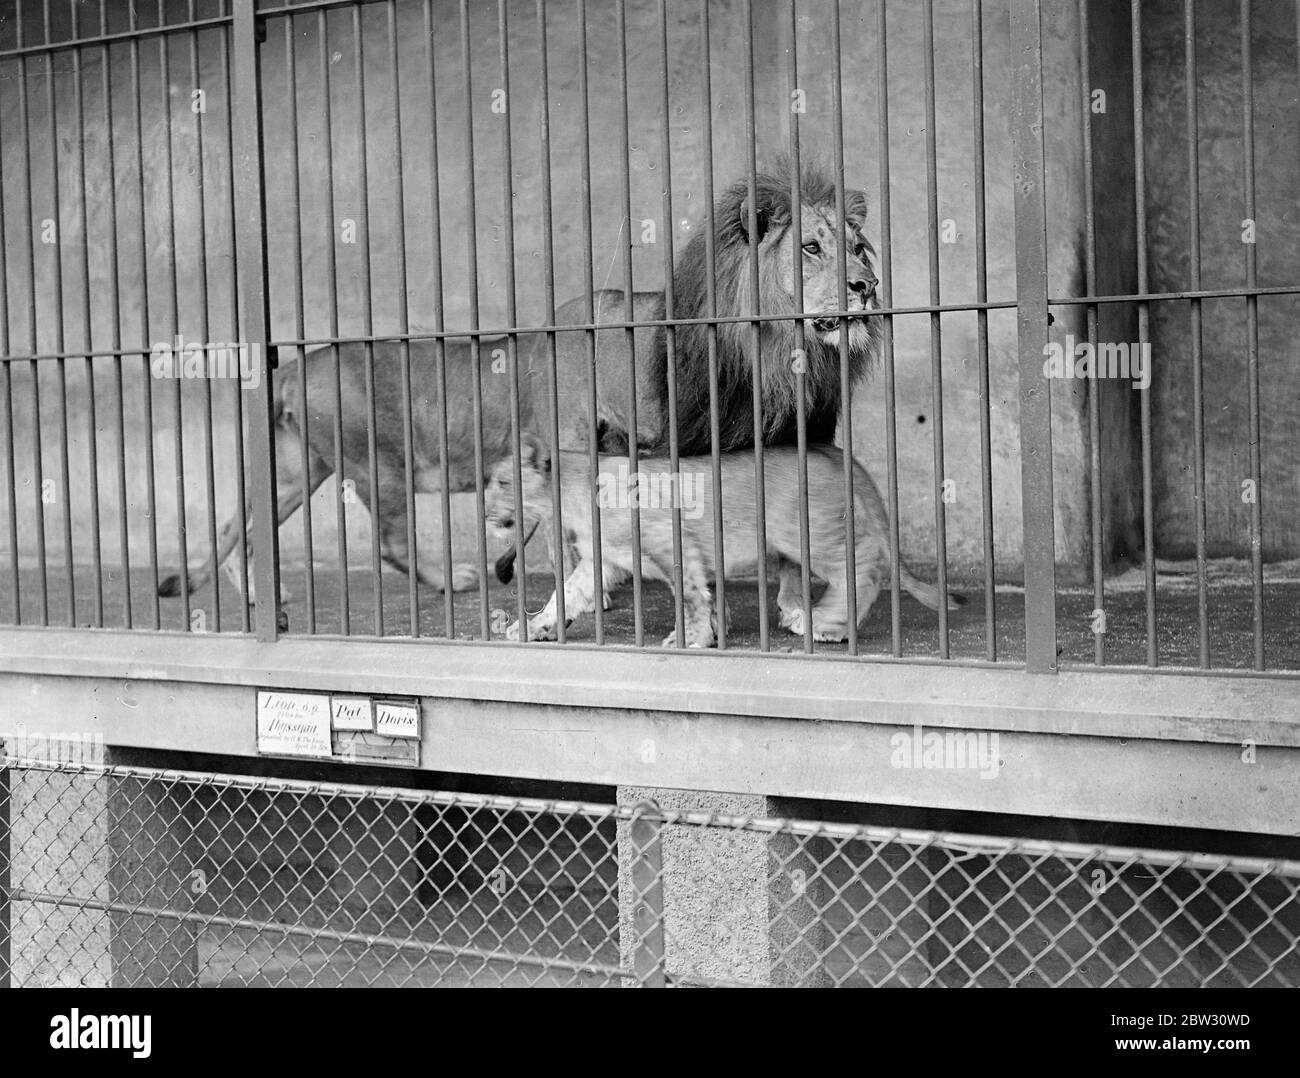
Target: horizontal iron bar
x=1200, y=293
x=159, y=913
x=311, y=5
x=504, y=332
x=122, y=35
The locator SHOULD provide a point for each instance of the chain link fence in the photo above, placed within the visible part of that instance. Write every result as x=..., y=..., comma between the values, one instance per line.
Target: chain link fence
x=137, y=876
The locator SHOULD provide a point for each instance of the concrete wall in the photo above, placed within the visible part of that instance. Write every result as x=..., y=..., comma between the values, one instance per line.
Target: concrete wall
x=1223, y=265
x=202, y=249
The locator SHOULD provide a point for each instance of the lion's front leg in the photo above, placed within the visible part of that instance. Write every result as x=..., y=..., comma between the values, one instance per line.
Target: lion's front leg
x=579, y=598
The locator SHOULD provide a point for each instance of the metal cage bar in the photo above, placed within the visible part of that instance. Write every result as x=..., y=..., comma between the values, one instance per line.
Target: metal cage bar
x=249, y=197
x=1144, y=333
x=1198, y=375
x=1031, y=319
x=936, y=325
x=887, y=329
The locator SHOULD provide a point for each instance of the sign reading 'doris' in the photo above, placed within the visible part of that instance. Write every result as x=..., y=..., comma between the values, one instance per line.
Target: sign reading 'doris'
x=347, y=727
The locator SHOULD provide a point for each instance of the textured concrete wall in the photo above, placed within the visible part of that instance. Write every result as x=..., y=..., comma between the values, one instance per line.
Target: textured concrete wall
x=202, y=250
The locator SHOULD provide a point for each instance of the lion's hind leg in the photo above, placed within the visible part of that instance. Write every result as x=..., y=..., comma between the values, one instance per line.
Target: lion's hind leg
x=389, y=515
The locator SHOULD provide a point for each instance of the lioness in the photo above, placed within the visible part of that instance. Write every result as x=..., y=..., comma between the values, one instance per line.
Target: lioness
x=657, y=491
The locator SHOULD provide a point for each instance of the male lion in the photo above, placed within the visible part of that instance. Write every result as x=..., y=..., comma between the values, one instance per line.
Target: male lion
x=659, y=491
x=820, y=238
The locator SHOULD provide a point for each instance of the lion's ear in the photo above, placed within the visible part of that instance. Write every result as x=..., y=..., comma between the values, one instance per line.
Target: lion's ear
x=760, y=220
x=767, y=218
x=855, y=206
x=534, y=453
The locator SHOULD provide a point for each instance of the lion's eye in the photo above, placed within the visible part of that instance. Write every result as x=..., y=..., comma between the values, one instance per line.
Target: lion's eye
x=812, y=248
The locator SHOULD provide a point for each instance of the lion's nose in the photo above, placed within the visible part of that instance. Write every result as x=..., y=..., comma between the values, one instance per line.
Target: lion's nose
x=864, y=287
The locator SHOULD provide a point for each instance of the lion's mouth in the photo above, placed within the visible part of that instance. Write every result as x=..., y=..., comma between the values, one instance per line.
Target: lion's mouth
x=826, y=325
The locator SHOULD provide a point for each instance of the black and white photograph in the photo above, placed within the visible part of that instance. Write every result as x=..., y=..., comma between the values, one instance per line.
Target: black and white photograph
x=650, y=493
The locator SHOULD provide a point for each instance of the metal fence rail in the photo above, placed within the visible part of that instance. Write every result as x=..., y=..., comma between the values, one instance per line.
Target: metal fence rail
x=140, y=876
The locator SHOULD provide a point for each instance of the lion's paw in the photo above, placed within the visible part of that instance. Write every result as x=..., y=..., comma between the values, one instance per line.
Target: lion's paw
x=792, y=620
x=463, y=576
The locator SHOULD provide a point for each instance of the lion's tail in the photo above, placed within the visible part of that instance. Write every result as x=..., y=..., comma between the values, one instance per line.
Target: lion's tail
x=928, y=594
x=505, y=566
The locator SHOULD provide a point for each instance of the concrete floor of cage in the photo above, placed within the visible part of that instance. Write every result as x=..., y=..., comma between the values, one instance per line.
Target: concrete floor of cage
x=1230, y=606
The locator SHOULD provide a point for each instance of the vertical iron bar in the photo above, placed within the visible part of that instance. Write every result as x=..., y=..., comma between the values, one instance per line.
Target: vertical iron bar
x=755, y=331
x=115, y=322
x=38, y=479
x=649, y=961
x=87, y=334
x=232, y=270
x=249, y=198
x=593, y=434
x=60, y=364
x=368, y=322
x=846, y=382
x=629, y=315
x=403, y=325
x=299, y=320
x=178, y=440
x=711, y=310
x=670, y=331
x=801, y=383
x=331, y=282
x=1252, y=339
x=1031, y=318
x=1198, y=371
x=512, y=339
x=1144, y=315
x=548, y=289
x=439, y=345
x=209, y=463
x=1090, y=289
x=887, y=334
x=982, y=334
x=7, y=403
x=936, y=327
x=146, y=328
x=476, y=357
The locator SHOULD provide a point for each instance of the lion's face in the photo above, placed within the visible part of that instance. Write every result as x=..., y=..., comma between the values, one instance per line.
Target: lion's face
x=820, y=240
x=535, y=470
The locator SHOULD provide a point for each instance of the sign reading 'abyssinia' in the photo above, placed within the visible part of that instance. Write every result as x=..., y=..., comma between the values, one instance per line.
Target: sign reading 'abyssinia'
x=294, y=724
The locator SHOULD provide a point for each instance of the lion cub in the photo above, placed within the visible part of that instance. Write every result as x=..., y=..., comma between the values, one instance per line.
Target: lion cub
x=656, y=491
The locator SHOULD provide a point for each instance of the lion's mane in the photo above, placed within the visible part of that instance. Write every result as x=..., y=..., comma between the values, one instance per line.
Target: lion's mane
x=776, y=339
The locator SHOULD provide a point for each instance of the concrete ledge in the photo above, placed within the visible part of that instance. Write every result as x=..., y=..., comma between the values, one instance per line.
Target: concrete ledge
x=1125, y=703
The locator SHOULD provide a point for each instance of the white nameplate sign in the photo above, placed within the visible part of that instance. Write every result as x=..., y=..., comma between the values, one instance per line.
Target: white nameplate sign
x=397, y=718
x=353, y=713
x=294, y=724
